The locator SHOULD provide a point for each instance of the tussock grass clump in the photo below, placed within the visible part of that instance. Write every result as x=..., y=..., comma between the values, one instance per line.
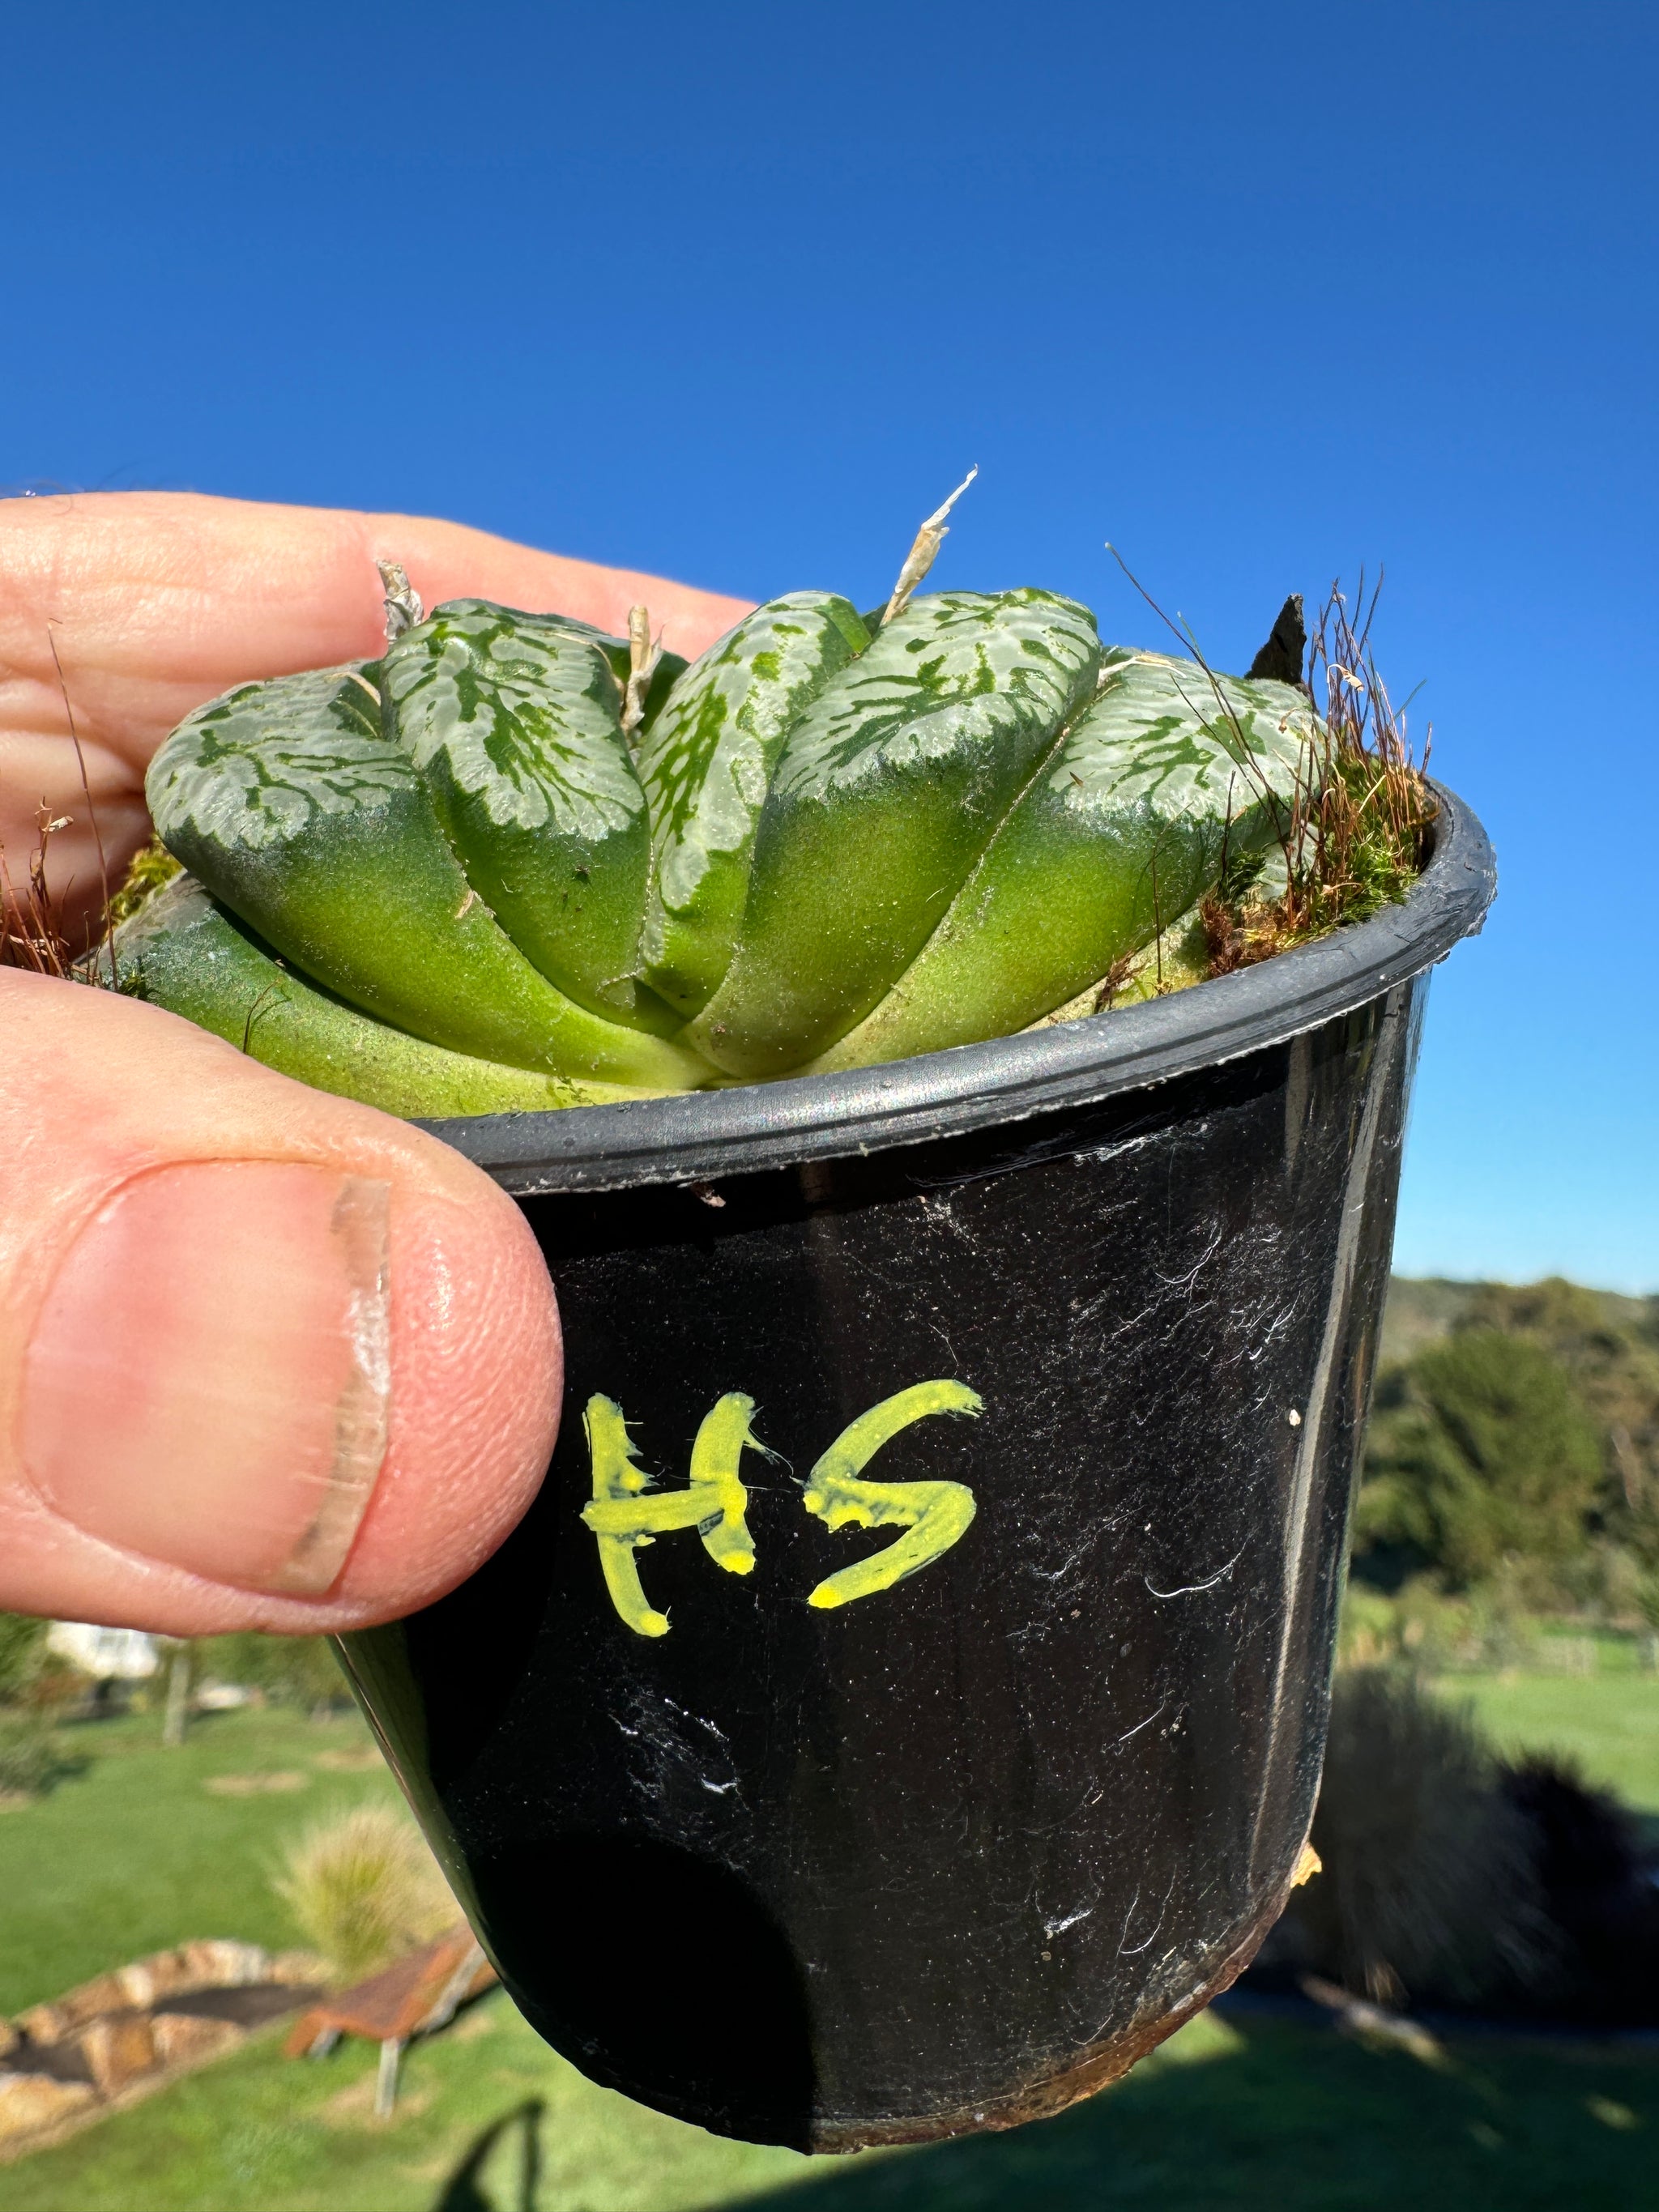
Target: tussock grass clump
x=363, y=1889
x=1355, y=837
x=1430, y=1891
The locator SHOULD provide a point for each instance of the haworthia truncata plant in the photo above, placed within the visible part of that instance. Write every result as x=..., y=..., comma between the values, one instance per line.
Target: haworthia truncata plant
x=481, y=874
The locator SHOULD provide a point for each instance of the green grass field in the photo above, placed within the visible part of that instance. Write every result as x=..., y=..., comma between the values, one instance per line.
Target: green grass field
x=1248, y=2117
x=261, y=2133
x=137, y=1852
x=1608, y=1722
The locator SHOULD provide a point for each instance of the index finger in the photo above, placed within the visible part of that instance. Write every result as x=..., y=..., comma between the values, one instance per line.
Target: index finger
x=156, y=601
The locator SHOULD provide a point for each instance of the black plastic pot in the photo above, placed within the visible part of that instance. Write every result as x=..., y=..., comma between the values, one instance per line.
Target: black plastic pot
x=959, y=1849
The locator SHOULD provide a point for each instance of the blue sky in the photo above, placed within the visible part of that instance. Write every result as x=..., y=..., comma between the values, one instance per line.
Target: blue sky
x=738, y=293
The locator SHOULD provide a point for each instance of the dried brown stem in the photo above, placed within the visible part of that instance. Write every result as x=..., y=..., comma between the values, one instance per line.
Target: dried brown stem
x=400, y=599
x=924, y=552
x=31, y=933
x=643, y=653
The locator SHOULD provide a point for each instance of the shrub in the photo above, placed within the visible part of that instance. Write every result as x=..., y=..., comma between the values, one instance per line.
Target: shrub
x=1501, y=1629
x=1483, y=1454
x=363, y=1888
x=22, y=1651
x=1595, y=1881
x=292, y=1670
x=1610, y=1351
x=33, y=1759
x=1422, y=1628
x=1368, y=1634
x=1429, y=1891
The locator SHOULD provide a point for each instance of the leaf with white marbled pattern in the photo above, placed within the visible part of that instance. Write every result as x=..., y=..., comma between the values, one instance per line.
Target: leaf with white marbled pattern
x=255, y=768
x=513, y=723
x=1123, y=828
x=887, y=791
x=288, y=801
x=706, y=764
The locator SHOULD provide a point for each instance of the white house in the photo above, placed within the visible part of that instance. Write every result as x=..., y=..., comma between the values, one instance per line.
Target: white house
x=119, y=1654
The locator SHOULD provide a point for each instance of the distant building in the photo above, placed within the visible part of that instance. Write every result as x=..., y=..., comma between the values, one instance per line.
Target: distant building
x=108, y=1655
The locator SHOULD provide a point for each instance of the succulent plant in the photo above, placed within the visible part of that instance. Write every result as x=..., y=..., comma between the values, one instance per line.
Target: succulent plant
x=517, y=863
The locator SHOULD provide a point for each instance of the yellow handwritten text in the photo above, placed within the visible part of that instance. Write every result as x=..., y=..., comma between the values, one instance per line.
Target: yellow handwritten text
x=935, y=1514
x=626, y=1514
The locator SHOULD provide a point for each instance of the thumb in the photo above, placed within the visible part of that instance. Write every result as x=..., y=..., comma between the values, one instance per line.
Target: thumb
x=268, y=1359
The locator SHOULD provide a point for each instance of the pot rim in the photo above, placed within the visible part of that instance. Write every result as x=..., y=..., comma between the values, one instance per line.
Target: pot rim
x=701, y=1136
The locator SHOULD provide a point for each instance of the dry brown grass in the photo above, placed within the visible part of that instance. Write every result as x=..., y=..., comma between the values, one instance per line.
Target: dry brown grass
x=1355, y=836
x=32, y=932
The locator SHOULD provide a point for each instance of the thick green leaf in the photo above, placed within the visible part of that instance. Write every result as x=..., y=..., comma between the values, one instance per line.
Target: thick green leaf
x=1120, y=830
x=669, y=667
x=706, y=763
x=184, y=952
x=513, y=723
x=290, y=803
x=887, y=791
x=446, y=882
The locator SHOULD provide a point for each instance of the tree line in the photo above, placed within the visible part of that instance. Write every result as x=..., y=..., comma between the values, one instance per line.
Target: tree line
x=1523, y=1442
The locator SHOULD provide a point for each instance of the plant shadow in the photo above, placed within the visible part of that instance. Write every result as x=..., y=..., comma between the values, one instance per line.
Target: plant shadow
x=1258, y=2117
x=465, y=2190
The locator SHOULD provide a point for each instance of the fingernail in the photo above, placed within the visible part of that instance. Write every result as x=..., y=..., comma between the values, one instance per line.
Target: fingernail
x=207, y=1381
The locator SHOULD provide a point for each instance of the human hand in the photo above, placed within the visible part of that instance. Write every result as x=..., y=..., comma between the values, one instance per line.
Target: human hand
x=268, y=1359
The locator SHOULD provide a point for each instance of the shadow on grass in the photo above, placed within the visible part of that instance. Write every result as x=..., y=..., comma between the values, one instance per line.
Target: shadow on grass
x=1247, y=2115
x=466, y=2189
